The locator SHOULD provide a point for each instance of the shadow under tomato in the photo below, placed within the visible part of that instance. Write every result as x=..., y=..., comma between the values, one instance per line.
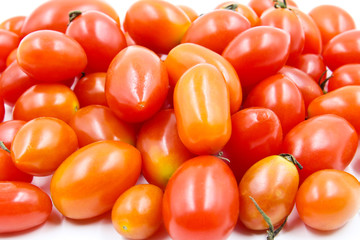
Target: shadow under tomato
x=161, y=234
x=104, y=218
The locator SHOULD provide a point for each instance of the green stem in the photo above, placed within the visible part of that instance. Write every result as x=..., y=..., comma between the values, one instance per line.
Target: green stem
x=323, y=84
x=74, y=14
x=280, y=3
x=292, y=159
x=231, y=7
x=220, y=155
x=2, y=146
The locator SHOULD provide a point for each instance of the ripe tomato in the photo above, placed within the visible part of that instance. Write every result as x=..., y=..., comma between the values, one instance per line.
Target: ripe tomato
x=35, y=143
x=46, y=100
x=156, y=24
x=136, y=84
x=273, y=183
x=313, y=65
x=8, y=130
x=13, y=24
x=191, y=13
x=256, y=133
x=326, y=141
x=99, y=35
x=8, y=42
x=90, y=89
x=11, y=57
x=102, y=170
x=9, y=172
x=161, y=148
x=51, y=56
x=187, y=55
x=214, y=30
x=244, y=10
x=258, y=53
x=328, y=199
x=22, y=206
x=201, y=200
x=281, y=95
x=137, y=213
x=345, y=75
x=95, y=123
x=202, y=109
x=259, y=6
x=344, y=102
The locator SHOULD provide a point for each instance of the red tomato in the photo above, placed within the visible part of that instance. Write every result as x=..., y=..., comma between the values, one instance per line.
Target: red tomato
x=46, y=100
x=95, y=123
x=201, y=200
x=331, y=21
x=9, y=172
x=344, y=102
x=8, y=42
x=13, y=24
x=54, y=15
x=281, y=95
x=11, y=57
x=273, y=183
x=216, y=29
x=90, y=89
x=51, y=56
x=35, y=143
x=257, y=53
x=260, y=6
x=136, y=84
x=156, y=24
x=22, y=206
x=137, y=213
x=256, y=133
x=102, y=170
x=326, y=141
x=244, y=10
x=345, y=75
x=161, y=148
x=187, y=55
x=202, y=109
x=313, y=65
x=99, y=35
x=8, y=130
x=328, y=199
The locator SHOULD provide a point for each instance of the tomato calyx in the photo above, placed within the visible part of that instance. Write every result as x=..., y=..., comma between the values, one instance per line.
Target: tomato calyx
x=3, y=147
x=232, y=7
x=272, y=232
x=292, y=159
x=74, y=14
x=323, y=83
x=220, y=155
x=280, y=4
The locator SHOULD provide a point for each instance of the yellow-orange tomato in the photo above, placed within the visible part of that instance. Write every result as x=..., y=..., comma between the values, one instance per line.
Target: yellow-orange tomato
x=191, y=13
x=137, y=212
x=202, y=109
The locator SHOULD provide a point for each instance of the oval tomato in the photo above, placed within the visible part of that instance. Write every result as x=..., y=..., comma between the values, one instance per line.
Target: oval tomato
x=11, y=57
x=8, y=42
x=345, y=75
x=243, y=9
x=191, y=13
x=90, y=89
x=201, y=200
x=8, y=170
x=8, y=130
x=107, y=169
x=23, y=206
x=13, y=24
x=313, y=65
x=260, y=6
x=202, y=109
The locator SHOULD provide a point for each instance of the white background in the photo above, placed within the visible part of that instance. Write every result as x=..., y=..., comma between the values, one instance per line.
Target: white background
x=58, y=227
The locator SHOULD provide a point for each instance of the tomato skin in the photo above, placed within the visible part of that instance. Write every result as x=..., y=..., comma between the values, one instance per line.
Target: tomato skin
x=161, y=148
x=90, y=89
x=8, y=42
x=23, y=206
x=345, y=75
x=46, y=100
x=8, y=130
x=141, y=78
x=134, y=219
x=13, y=24
x=257, y=53
x=100, y=36
x=95, y=123
x=107, y=169
x=8, y=170
x=201, y=200
x=243, y=9
x=11, y=57
x=328, y=199
x=313, y=65
x=191, y=13
x=344, y=102
x=214, y=30
x=51, y=56
x=202, y=109
x=282, y=96
x=187, y=55
x=309, y=143
x=259, y=6
x=156, y=24
x=272, y=182
x=256, y=134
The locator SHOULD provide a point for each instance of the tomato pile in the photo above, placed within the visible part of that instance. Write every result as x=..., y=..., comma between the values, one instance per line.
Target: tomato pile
x=233, y=117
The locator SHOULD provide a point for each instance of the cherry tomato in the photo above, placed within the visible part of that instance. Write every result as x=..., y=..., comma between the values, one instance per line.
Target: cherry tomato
x=54, y=15
x=187, y=55
x=345, y=75
x=22, y=206
x=156, y=24
x=344, y=102
x=8, y=130
x=99, y=35
x=256, y=133
x=161, y=148
x=8, y=42
x=214, y=30
x=46, y=100
x=331, y=21
x=328, y=199
x=95, y=123
x=273, y=183
x=9, y=172
x=281, y=95
x=313, y=65
x=191, y=13
x=202, y=109
x=244, y=10
x=102, y=170
x=90, y=89
x=13, y=24
x=326, y=141
x=259, y=6
x=257, y=53
x=136, y=84
x=51, y=56
x=35, y=143
x=137, y=213
x=11, y=57
x=201, y=200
